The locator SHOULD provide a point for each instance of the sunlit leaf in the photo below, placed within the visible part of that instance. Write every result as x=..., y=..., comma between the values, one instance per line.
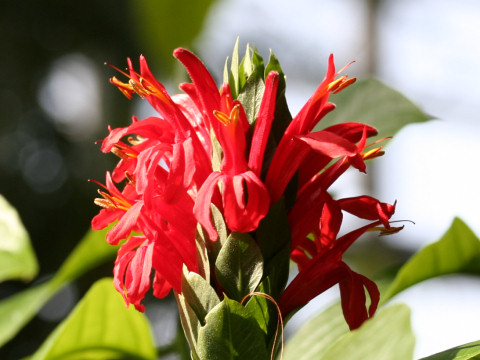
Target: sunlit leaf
x=463, y=352
x=89, y=253
x=457, y=251
x=231, y=333
x=315, y=337
x=371, y=102
x=388, y=335
x=100, y=327
x=199, y=294
x=17, y=258
x=19, y=309
x=239, y=265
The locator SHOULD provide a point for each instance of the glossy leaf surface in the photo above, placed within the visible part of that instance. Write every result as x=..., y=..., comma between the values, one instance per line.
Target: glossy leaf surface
x=457, y=251
x=100, y=327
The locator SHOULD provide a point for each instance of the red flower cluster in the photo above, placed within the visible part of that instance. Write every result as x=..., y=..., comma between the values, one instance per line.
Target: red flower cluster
x=173, y=170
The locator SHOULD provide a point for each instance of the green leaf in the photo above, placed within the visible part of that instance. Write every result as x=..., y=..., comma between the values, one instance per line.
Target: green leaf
x=388, y=335
x=89, y=253
x=373, y=103
x=213, y=247
x=231, y=333
x=199, y=294
x=251, y=92
x=316, y=337
x=457, y=251
x=274, y=65
x=463, y=352
x=100, y=327
x=233, y=78
x=17, y=258
x=19, y=309
x=189, y=321
x=266, y=314
x=239, y=265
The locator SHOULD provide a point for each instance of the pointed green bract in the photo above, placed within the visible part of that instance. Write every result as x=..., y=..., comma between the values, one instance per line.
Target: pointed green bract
x=100, y=327
x=239, y=265
x=463, y=352
x=457, y=251
x=199, y=294
x=231, y=332
x=17, y=257
x=233, y=77
x=251, y=93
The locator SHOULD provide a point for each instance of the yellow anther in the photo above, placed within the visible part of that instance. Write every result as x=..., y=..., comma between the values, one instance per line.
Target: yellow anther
x=123, y=152
x=340, y=84
x=111, y=202
x=373, y=153
x=228, y=119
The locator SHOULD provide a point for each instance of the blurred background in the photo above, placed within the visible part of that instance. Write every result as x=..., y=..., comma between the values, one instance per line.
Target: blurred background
x=56, y=102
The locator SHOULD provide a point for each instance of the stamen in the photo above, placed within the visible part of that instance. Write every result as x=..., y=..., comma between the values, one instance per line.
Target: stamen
x=373, y=153
x=228, y=119
x=344, y=84
x=141, y=87
x=130, y=178
x=123, y=152
x=108, y=201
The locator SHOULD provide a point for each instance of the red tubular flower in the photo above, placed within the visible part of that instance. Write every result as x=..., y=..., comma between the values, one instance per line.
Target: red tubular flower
x=201, y=150
x=290, y=154
x=245, y=198
x=323, y=268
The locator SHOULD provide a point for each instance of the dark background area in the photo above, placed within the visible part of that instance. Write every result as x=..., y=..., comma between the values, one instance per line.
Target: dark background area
x=44, y=170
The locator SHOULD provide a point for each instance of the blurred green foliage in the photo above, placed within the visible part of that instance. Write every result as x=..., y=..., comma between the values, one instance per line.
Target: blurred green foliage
x=34, y=36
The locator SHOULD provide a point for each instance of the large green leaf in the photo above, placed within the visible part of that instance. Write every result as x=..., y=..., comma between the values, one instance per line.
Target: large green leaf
x=463, y=352
x=373, y=103
x=457, y=251
x=100, y=327
x=320, y=333
x=17, y=258
x=230, y=333
x=20, y=308
x=387, y=336
x=239, y=265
